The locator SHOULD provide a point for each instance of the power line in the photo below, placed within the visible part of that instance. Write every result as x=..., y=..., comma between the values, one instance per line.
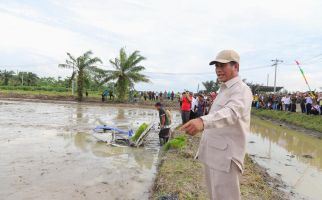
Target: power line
x=28, y=65
x=311, y=60
x=319, y=56
x=258, y=67
x=316, y=61
x=202, y=73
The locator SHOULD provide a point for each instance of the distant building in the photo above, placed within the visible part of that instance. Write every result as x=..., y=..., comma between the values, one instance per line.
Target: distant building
x=261, y=88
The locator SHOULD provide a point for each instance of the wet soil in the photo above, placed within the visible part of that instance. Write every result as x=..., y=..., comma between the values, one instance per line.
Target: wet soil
x=47, y=152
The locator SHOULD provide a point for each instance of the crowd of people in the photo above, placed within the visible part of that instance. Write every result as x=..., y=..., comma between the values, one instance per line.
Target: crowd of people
x=195, y=105
x=144, y=95
x=159, y=96
x=198, y=104
x=191, y=106
x=309, y=102
x=107, y=93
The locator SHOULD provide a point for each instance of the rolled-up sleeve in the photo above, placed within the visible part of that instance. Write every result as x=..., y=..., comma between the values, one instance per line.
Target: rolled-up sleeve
x=236, y=107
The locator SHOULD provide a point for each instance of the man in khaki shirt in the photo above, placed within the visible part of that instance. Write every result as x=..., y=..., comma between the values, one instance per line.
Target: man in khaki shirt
x=222, y=146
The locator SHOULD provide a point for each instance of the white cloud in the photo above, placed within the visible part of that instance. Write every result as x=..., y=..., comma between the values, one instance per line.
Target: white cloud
x=175, y=36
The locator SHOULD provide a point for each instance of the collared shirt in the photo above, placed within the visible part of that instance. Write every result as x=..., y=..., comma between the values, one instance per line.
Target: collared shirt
x=320, y=100
x=308, y=100
x=287, y=100
x=229, y=118
x=317, y=108
x=194, y=104
x=283, y=100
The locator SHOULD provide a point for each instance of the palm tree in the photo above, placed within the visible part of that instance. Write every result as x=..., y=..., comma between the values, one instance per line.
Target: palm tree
x=82, y=66
x=6, y=76
x=30, y=78
x=211, y=86
x=126, y=73
x=71, y=62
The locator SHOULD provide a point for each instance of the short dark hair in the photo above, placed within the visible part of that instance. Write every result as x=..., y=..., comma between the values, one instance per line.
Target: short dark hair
x=200, y=95
x=158, y=104
x=232, y=62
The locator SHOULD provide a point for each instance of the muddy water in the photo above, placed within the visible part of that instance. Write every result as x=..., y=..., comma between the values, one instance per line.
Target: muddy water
x=291, y=155
x=47, y=152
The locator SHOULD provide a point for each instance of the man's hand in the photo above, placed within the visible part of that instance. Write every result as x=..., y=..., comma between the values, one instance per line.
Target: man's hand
x=193, y=126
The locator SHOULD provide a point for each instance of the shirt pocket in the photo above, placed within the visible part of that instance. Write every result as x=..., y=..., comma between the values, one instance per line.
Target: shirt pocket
x=217, y=144
x=218, y=156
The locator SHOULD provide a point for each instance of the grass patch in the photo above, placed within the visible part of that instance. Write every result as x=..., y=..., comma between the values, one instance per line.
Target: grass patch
x=254, y=183
x=312, y=122
x=139, y=132
x=176, y=143
x=180, y=175
x=35, y=88
x=35, y=91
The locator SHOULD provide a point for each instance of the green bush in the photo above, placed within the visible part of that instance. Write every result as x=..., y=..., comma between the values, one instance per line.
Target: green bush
x=139, y=132
x=176, y=143
x=36, y=88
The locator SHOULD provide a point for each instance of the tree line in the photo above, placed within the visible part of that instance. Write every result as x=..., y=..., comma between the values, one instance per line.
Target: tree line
x=126, y=72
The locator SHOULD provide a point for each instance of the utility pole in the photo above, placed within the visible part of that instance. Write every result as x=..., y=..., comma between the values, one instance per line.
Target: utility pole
x=275, y=63
x=73, y=86
x=73, y=81
x=267, y=79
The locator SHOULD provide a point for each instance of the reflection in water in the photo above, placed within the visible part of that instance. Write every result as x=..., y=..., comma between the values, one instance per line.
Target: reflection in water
x=87, y=143
x=80, y=140
x=79, y=112
x=120, y=114
x=283, y=151
x=295, y=143
x=81, y=115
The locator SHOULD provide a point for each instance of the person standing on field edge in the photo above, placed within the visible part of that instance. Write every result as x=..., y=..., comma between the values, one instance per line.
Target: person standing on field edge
x=223, y=142
x=308, y=103
x=194, y=104
x=185, y=107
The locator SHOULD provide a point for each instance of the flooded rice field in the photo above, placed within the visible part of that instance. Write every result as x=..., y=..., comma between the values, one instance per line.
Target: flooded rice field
x=293, y=156
x=47, y=152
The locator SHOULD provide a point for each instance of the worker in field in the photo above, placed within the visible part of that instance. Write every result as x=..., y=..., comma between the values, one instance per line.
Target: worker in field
x=104, y=95
x=223, y=142
x=164, y=133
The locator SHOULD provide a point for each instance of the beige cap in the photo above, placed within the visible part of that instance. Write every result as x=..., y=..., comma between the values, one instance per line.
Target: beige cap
x=226, y=56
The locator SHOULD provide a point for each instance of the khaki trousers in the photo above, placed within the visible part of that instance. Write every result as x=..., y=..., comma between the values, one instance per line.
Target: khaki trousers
x=222, y=185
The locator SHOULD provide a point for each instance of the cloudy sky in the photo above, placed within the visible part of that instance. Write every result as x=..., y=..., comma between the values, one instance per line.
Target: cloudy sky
x=179, y=38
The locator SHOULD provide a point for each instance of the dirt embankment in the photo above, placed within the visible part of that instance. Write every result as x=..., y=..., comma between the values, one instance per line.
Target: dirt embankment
x=92, y=100
x=180, y=176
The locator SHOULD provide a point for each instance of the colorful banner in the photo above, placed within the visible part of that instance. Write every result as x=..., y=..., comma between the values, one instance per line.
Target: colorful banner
x=302, y=72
